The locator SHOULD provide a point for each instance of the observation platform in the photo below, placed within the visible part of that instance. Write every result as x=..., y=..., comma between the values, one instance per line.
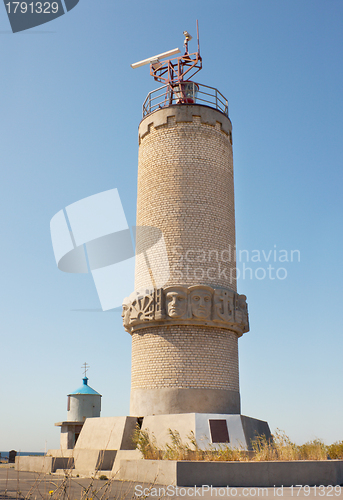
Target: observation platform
x=185, y=93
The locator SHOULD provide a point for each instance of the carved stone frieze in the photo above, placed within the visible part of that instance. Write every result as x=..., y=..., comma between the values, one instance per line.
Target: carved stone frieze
x=179, y=305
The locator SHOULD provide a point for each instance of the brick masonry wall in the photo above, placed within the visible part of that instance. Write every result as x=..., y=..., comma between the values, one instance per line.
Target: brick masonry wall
x=185, y=188
x=185, y=357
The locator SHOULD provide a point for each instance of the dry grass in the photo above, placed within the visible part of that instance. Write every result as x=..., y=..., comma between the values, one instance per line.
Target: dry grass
x=280, y=448
x=335, y=450
x=176, y=449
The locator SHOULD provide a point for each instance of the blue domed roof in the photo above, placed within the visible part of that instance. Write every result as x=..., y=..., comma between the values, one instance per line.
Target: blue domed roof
x=85, y=389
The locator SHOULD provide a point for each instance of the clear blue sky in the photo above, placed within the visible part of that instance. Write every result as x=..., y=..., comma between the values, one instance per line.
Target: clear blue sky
x=70, y=108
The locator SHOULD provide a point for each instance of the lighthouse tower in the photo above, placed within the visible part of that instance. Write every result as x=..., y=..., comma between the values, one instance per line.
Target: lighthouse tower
x=185, y=333
x=185, y=314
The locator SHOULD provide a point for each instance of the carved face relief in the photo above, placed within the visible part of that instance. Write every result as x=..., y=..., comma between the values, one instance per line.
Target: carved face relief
x=126, y=314
x=241, y=313
x=242, y=304
x=176, y=303
x=201, y=303
x=179, y=304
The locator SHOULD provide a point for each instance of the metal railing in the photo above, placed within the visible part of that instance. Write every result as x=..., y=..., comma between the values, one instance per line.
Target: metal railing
x=202, y=94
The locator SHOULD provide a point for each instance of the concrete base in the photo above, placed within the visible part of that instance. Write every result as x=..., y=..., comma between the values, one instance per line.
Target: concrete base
x=173, y=400
x=241, y=430
x=233, y=474
x=100, y=441
x=115, y=433
x=105, y=444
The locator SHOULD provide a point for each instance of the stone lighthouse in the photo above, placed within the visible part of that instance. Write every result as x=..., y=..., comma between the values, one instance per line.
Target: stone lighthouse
x=185, y=327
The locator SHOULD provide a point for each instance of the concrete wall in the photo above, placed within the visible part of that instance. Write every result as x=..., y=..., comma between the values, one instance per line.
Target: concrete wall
x=148, y=471
x=87, y=462
x=124, y=455
x=107, y=433
x=158, y=426
x=252, y=428
x=260, y=473
x=34, y=464
x=43, y=464
x=253, y=474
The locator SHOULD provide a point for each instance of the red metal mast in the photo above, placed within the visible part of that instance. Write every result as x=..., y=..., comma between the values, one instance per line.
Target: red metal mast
x=180, y=69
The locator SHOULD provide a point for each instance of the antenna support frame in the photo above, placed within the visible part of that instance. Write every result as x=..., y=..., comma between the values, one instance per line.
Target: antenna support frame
x=172, y=72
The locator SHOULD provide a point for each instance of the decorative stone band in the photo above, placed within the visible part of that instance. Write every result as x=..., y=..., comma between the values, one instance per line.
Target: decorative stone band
x=179, y=305
x=183, y=113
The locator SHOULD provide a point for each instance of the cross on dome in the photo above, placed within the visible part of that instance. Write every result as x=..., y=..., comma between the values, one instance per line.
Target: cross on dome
x=85, y=367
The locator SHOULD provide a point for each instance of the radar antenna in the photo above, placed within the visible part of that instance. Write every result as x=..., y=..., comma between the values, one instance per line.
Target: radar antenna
x=176, y=72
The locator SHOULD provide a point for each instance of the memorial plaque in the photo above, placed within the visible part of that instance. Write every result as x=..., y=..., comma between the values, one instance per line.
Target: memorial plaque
x=219, y=431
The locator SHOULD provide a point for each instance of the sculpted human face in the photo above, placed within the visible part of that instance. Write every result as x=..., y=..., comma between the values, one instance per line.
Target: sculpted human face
x=201, y=302
x=176, y=303
x=125, y=313
x=242, y=304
